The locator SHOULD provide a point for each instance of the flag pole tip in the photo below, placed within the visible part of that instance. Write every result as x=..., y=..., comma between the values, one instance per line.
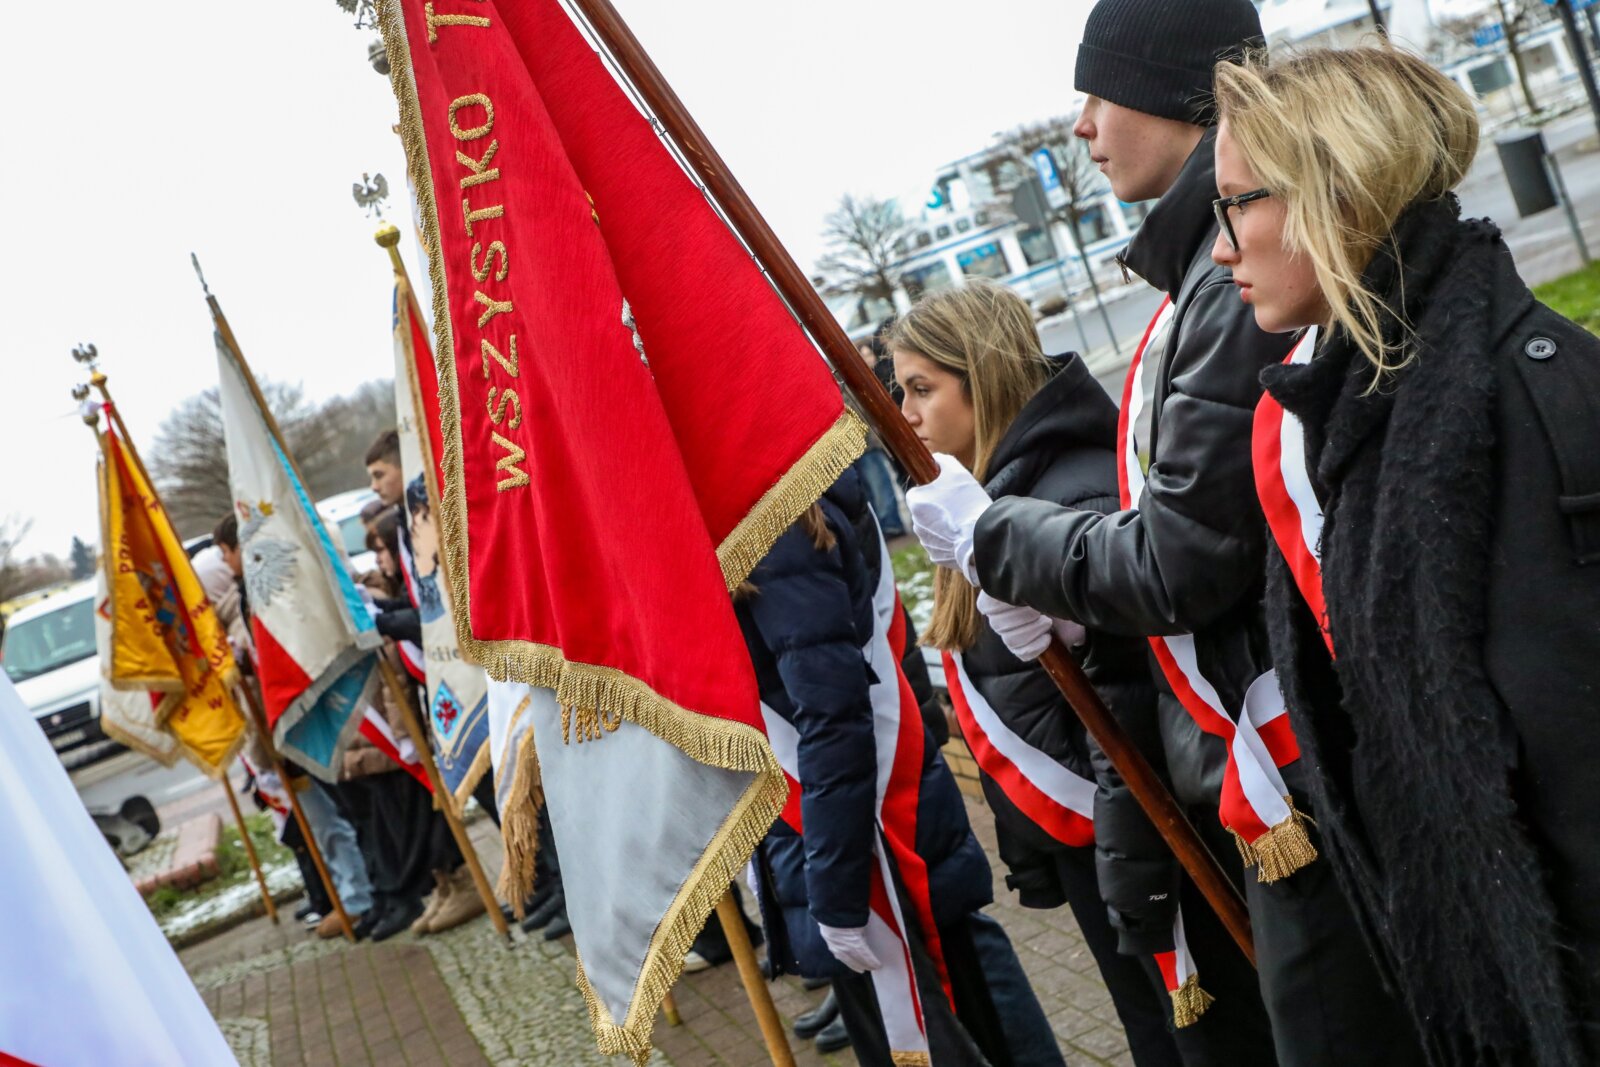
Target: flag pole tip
x=194, y=261
x=388, y=236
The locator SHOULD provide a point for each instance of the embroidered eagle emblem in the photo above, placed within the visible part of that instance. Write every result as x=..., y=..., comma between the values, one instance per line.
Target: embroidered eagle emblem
x=269, y=562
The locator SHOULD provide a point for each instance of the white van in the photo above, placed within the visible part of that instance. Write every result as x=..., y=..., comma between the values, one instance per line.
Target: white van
x=49, y=654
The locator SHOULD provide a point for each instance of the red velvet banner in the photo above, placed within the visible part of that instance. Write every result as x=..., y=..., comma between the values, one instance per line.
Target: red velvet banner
x=629, y=415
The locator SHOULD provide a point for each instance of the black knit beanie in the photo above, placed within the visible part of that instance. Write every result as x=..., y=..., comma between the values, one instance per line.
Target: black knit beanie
x=1157, y=56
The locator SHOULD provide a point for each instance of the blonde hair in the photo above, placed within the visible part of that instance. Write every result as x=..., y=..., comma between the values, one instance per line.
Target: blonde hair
x=1348, y=139
x=983, y=333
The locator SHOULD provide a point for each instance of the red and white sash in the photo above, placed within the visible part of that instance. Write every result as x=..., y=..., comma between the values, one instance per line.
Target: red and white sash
x=899, y=736
x=1255, y=805
x=1294, y=514
x=1061, y=803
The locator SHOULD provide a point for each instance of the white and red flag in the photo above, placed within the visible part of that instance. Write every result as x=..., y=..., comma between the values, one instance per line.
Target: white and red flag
x=314, y=634
x=629, y=418
x=89, y=979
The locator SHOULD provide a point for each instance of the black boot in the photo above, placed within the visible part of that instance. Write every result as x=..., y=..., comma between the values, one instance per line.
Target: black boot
x=833, y=1037
x=817, y=1019
x=396, y=919
x=559, y=927
x=540, y=917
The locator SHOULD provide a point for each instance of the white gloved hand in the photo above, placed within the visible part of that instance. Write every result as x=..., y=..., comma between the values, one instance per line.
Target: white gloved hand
x=945, y=512
x=849, y=946
x=1025, y=632
x=1072, y=634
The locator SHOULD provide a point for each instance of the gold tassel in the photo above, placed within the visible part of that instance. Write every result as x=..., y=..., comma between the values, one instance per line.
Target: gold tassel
x=519, y=827
x=1189, y=1002
x=1282, y=850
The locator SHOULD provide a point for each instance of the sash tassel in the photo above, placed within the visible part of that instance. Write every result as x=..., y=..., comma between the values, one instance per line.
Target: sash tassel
x=1282, y=850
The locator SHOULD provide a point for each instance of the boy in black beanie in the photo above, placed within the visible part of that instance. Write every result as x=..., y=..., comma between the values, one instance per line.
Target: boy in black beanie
x=1183, y=563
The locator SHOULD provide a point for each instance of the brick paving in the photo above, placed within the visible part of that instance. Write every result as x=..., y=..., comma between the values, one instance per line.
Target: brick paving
x=286, y=999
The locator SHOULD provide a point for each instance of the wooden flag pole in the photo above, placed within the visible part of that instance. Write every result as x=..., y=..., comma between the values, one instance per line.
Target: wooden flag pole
x=901, y=440
x=250, y=849
x=258, y=718
x=755, y=986
x=418, y=738
x=98, y=380
x=446, y=803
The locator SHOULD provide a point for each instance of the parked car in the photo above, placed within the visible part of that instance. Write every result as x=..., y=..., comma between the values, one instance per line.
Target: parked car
x=49, y=654
x=342, y=513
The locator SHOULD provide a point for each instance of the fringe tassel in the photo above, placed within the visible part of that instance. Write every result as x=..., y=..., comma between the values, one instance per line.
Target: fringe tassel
x=1282, y=850
x=839, y=446
x=722, y=861
x=1189, y=1002
x=519, y=826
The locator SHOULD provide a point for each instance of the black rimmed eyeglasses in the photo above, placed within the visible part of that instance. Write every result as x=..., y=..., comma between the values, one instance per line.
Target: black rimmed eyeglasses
x=1221, y=205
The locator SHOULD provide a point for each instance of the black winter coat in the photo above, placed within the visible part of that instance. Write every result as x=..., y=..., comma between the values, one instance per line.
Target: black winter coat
x=1453, y=749
x=1062, y=448
x=1190, y=559
x=806, y=627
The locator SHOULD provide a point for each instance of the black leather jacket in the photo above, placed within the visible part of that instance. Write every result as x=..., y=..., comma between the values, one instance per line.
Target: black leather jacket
x=1190, y=558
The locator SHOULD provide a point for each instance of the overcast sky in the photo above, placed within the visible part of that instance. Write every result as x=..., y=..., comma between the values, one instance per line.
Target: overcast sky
x=140, y=134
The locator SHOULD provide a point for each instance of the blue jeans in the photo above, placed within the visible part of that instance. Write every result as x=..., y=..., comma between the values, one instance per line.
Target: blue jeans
x=337, y=840
x=1029, y=1038
x=874, y=467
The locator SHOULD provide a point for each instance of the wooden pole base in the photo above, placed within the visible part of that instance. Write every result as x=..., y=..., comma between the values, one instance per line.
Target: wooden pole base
x=755, y=986
x=250, y=849
x=669, y=1008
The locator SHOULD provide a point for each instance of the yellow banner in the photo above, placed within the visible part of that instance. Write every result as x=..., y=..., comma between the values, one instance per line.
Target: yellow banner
x=165, y=638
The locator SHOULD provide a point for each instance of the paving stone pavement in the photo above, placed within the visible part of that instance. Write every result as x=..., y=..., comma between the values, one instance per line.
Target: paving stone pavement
x=285, y=999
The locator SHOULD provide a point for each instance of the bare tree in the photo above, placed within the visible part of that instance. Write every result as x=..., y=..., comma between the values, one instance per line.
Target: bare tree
x=861, y=234
x=1514, y=25
x=188, y=461
x=1080, y=179
x=18, y=575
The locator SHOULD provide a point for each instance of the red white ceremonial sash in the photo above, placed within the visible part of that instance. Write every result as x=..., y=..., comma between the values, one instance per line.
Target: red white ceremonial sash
x=375, y=728
x=1294, y=514
x=1255, y=804
x=1182, y=980
x=899, y=737
x=1057, y=799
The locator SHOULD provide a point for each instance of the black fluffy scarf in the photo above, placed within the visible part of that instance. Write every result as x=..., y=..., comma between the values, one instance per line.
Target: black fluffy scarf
x=1407, y=746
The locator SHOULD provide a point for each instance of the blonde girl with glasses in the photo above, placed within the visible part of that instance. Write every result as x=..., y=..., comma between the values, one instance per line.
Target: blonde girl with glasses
x=1428, y=458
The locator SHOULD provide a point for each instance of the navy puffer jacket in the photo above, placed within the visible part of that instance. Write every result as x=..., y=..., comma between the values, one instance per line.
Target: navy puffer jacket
x=806, y=627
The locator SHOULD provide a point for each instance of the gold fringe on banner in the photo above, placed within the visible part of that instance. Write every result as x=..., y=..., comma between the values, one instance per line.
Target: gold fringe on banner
x=1280, y=851
x=519, y=822
x=799, y=488
x=1189, y=1002
x=705, y=739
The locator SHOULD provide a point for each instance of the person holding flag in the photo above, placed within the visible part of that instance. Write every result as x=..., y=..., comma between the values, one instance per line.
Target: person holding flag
x=1182, y=561
x=873, y=876
x=978, y=387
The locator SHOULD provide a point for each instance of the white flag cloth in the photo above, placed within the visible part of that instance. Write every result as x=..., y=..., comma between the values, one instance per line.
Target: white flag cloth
x=87, y=978
x=312, y=630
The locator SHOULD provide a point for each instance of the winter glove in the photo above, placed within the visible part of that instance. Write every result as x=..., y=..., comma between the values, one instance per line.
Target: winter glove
x=944, y=514
x=849, y=946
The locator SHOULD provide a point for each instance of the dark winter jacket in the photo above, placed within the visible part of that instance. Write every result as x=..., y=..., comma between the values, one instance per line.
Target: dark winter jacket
x=1062, y=448
x=1190, y=558
x=1453, y=756
x=806, y=627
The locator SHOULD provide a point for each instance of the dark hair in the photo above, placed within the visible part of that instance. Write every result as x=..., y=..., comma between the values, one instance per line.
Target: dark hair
x=370, y=510
x=226, y=531
x=386, y=449
x=386, y=531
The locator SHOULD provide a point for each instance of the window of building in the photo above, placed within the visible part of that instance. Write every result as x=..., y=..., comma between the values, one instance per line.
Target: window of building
x=984, y=261
x=1093, y=225
x=942, y=231
x=900, y=247
x=924, y=239
x=963, y=225
x=1135, y=213
x=929, y=279
x=1036, y=246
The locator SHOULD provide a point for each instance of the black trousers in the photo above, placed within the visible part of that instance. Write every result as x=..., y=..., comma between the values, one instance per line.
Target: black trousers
x=1321, y=985
x=1135, y=984
x=403, y=839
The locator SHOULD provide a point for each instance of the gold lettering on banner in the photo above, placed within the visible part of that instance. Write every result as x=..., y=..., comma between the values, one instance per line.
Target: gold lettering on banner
x=491, y=308
x=498, y=415
x=485, y=350
x=589, y=724
x=483, y=214
x=495, y=248
x=461, y=103
x=512, y=476
x=435, y=21
x=481, y=171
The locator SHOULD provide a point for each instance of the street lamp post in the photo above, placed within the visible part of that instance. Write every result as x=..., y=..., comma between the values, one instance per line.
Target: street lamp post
x=1580, y=55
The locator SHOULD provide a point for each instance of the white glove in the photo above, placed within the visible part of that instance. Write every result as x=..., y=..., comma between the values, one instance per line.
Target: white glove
x=945, y=512
x=849, y=947
x=752, y=878
x=1025, y=632
x=1072, y=634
